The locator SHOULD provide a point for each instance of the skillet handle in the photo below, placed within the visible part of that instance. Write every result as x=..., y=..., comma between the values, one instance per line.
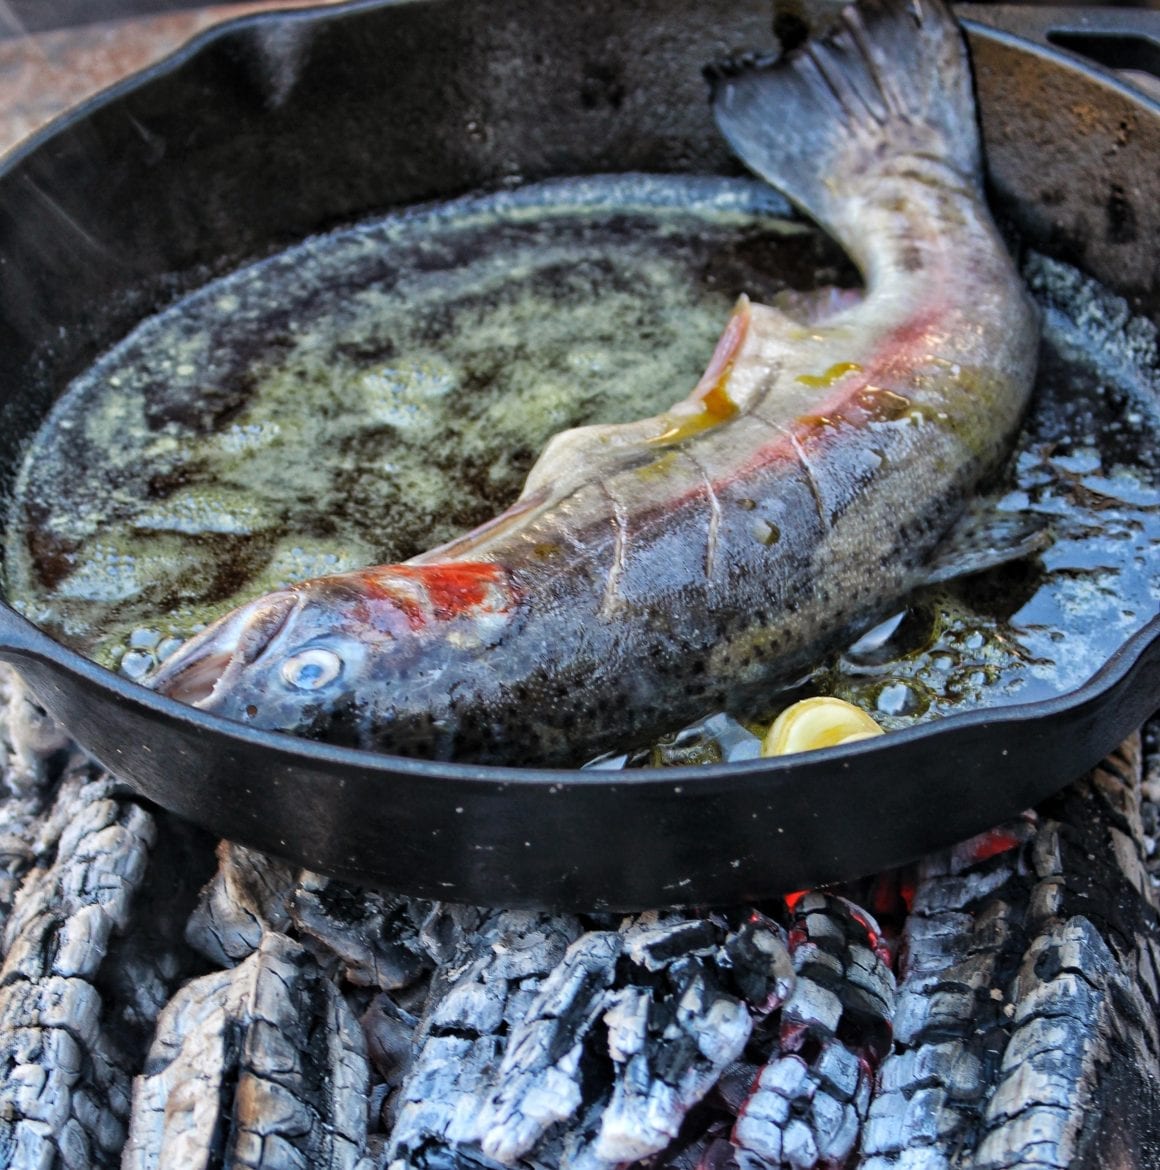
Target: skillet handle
x=1123, y=42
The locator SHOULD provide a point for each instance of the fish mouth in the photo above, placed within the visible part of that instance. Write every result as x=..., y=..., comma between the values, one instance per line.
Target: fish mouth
x=202, y=669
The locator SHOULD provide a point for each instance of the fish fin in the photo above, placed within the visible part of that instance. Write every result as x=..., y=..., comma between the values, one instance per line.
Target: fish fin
x=892, y=80
x=574, y=456
x=577, y=455
x=985, y=538
x=725, y=353
x=475, y=543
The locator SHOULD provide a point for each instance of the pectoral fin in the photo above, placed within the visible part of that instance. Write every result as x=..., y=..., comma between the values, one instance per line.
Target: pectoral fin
x=985, y=538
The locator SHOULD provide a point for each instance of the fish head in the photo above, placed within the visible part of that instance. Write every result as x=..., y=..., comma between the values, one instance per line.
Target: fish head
x=307, y=658
x=278, y=662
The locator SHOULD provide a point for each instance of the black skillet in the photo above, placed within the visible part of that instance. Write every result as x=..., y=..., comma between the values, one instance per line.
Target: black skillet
x=276, y=127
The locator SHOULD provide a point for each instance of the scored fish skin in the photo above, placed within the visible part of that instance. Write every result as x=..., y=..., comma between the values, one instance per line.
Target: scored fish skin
x=654, y=571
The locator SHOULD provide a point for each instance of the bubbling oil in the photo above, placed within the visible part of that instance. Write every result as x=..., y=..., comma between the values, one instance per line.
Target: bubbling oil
x=376, y=391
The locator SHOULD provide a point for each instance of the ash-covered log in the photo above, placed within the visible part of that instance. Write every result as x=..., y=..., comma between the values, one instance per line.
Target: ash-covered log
x=1027, y=1023
x=262, y=1065
x=992, y=1007
x=94, y=891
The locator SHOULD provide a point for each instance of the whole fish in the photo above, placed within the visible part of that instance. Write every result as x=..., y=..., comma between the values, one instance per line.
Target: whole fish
x=658, y=570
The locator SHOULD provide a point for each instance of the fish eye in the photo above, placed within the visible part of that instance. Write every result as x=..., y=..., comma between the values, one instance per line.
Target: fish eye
x=310, y=669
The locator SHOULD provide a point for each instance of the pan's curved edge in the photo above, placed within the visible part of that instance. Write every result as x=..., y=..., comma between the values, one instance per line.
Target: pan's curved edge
x=526, y=836
x=208, y=40
x=23, y=642
x=1050, y=27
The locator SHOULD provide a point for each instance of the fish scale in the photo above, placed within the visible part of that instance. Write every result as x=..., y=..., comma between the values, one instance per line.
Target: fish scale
x=653, y=571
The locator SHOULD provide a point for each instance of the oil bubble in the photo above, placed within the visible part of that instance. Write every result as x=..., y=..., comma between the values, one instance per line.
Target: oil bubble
x=168, y=647
x=869, y=647
x=144, y=638
x=900, y=698
x=692, y=746
x=402, y=396
x=136, y=664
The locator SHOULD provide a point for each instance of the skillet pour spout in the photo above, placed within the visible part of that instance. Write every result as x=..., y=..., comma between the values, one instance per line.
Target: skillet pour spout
x=255, y=173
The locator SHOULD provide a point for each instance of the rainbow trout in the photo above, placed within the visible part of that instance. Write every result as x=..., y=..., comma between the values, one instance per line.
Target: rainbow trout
x=658, y=570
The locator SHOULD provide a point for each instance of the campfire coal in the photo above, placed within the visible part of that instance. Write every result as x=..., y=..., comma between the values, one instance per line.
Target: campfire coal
x=161, y=1005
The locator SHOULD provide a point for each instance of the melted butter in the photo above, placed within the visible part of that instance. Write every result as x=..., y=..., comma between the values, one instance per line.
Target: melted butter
x=1087, y=464
x=658, y=468
x=817, y=422
x=833, y=375
x=766, y=533
x=715, y=405
x=882, y=404
x=372, y=393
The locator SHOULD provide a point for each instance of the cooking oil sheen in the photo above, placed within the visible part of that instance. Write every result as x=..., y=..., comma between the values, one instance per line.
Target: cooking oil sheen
x=373, y=392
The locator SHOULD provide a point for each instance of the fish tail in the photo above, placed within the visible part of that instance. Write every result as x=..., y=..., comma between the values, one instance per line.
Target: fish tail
x=828, y=118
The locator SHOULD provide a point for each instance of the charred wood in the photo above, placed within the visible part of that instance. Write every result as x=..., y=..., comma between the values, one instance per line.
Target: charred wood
x=248, y=897
x=993, y=1007
x=639, y=1037
x=1027, y=1003
x=1150, y=803
x=381, y=941
x=477, y=997
x=89, y=959
x=261, y=1065
x=32, y=752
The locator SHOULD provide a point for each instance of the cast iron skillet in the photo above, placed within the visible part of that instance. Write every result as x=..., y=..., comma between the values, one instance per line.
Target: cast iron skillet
x=275, y=127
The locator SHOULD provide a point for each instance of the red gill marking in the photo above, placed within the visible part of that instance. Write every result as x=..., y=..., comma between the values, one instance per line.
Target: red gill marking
x=438, y=592
x=456, y=588
x=381, y=583
x=791, y=900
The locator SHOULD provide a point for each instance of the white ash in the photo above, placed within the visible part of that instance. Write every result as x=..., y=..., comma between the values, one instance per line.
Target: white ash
x=309, y=1023
x=233, y=1079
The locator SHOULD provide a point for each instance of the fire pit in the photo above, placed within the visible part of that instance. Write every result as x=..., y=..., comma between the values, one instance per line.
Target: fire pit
x=993, y=1006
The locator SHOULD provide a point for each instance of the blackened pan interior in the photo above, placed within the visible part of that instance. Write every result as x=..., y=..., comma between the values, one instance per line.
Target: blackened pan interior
x=277, y=127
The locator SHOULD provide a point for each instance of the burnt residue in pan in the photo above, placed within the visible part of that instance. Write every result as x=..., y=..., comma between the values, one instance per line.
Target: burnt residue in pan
x=373, y=392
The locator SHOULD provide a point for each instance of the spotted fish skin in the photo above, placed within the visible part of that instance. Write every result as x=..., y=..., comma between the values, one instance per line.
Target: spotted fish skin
x=654, y=571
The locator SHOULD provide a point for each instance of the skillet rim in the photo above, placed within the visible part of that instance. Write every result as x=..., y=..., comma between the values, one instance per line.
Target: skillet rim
x=1128, y=659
